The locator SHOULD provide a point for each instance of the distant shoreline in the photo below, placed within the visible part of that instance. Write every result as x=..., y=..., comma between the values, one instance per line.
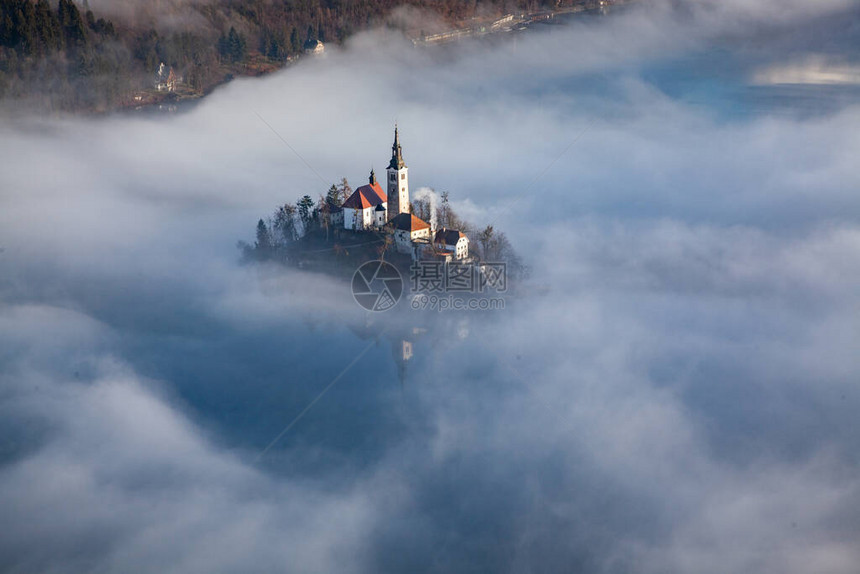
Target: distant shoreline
x=171, y=103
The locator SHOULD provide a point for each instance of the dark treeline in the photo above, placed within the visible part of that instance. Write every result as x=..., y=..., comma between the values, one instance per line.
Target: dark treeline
x=59, y=50
x=62, y=56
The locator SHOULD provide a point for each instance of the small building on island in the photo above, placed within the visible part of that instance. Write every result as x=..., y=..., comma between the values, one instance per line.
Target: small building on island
x=452, y=241
x=408, y=231
x=360, y=210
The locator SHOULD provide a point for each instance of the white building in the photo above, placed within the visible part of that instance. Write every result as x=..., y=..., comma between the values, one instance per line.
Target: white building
x=410, y=233
x=380, y=214
x=336, y=215
x=398, y=181
x=361, y=210
x=314, y=47
x=165, y=79
x=452, y=241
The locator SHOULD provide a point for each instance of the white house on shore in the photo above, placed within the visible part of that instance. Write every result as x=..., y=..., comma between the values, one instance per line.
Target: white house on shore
x=165, y=79
x=314, y=48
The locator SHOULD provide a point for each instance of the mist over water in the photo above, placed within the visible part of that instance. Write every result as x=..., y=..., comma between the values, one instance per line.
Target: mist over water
x=674, y=388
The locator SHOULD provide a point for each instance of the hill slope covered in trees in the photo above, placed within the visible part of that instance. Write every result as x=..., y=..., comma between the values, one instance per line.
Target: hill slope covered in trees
x=65, y=57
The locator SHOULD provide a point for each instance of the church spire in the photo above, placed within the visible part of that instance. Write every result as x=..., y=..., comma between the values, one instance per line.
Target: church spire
x=398, y=180
x=372, y=177
x=396, y=153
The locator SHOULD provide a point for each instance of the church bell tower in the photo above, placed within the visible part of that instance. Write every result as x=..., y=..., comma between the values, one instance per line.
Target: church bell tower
x=398, y=181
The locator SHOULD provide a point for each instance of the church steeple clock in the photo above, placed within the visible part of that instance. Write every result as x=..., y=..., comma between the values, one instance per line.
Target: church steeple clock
x=398, y=181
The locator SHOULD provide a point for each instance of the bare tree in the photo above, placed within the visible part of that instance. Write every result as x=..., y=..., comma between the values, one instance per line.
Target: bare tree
x=422, y=209
x=387, y=243
x=443, y=212
x=345, y=190
x=284, y=224
x=325, y=208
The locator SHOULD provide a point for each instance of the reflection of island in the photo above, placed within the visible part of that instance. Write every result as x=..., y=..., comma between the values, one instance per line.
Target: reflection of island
x=401, y=339
x=410, y=335
x=402, y=351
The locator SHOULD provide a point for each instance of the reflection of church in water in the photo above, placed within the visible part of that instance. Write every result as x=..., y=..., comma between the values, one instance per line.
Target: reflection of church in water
x=402, y=351
x=411, y=343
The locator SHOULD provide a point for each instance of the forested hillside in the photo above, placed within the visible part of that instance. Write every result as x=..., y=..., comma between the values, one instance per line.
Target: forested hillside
x=63, y=56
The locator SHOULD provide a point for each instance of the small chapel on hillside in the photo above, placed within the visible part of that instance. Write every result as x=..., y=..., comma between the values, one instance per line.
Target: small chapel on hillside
x=372, y=208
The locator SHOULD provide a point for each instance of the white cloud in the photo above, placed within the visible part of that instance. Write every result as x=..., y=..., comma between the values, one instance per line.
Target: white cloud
x=673, y=390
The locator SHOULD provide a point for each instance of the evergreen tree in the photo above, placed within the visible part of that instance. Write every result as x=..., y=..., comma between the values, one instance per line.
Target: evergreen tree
x=295, y=42
x=85, y=65
x=305, y=205
x=237, y=45
x=223, y=47
x=47, y=26
x=263, y=245
x=27, y=28
x=271, y=45
x=7, y=30
x=74, y=31
x=333, y=196
x=145, y=50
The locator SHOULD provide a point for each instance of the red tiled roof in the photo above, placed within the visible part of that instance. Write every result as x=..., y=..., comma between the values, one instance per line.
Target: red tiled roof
x=369, y=195
x=408, y=222
x=357, y=200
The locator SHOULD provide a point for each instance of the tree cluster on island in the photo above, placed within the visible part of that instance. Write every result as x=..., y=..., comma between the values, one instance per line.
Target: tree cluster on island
x=298, y=232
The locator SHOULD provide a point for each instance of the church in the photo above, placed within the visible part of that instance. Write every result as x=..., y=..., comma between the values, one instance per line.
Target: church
x=370, y=208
